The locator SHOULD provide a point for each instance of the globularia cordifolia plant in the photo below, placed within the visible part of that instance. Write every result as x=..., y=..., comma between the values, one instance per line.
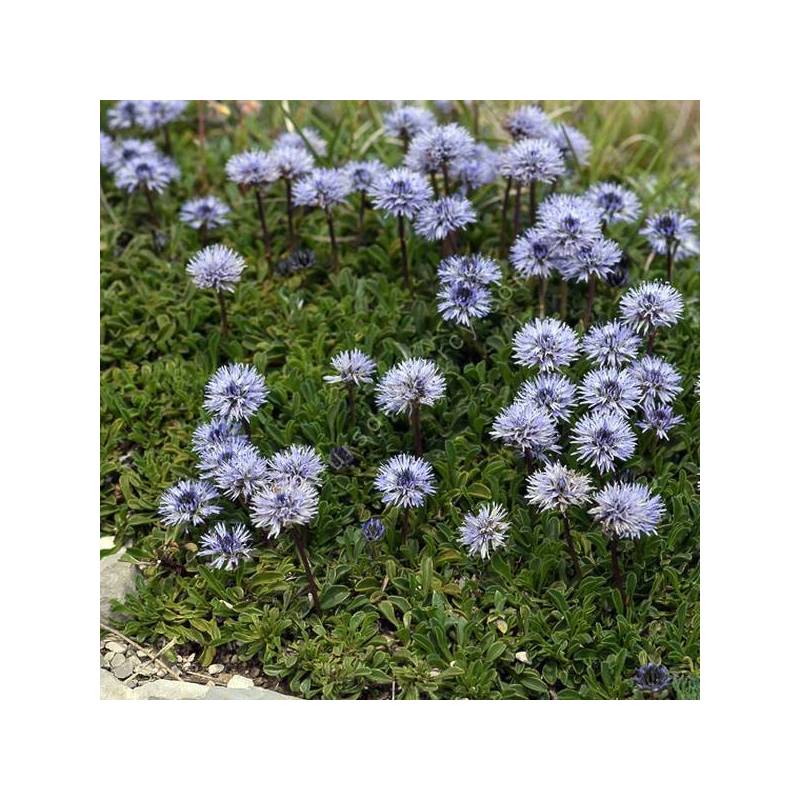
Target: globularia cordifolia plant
x=404, y=482
x=218, y=268
x=671, y=234
x=352, y=368
x=253, y=170
x=149, y=173
x=204, y=214
x=324, y=189
x=405, y=122
x=649, y=307
x=362, y=176
x=289, y=164
x=485, y=531
x=408, y=386
x=437, y=151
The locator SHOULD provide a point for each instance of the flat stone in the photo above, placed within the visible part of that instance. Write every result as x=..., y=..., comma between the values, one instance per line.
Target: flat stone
x=106, y=542
x=117, y=660
x=112, y=689
x=240, y=682
x=253, y=693
x=145, y=669
x=124, y=670
x=115, y=647
x=215, y=669
x=171, y=690
x=117, y=579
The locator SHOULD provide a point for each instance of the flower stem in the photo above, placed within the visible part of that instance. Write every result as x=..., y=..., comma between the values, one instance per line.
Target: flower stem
x=405, y=525
x=416, y=424
x=542, y=295
x=571, y=547
x=670, y=254
x=332, y=234
x=223, y=313
x=289, y=212
x=435, y=185
x=564, y=300
x=532, y=203
x=616, y=571
x=587, y=314
x=351, y=402
x=517, y=209
x=151, y=206
x=445, y=179
x=301, y=551
x=651, y=340
x=362, y=208
x=263, y=219
x=504, y=217
x=167, y=141
x=403, y=250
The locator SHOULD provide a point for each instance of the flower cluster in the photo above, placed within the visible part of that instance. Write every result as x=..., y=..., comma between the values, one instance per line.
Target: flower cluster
x=485, y=530
x=216, y=267
x=438, y=219
x=412, y=383
x=464, y=282
x=204, y=212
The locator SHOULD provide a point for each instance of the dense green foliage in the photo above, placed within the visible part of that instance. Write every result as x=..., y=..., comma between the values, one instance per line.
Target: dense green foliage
x=424, y=617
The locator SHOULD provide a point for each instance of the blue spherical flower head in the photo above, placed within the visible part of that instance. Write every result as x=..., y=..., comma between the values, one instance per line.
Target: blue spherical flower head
x=280, y=506
x=603, y=437
x=361, y=175
x=651, y=305
x=533, y=255
x=310, y=141
x=670, y=230
x=413, y=382
x=158, y=113
x=545, y=343
x=572, y=143
x=214, y=456
x=127, y=150
x=106, y=150
x=550, y=390
x=438, y=219
x=373, y=529
x=236, y=392
x=405, y=481
x=216, y=267
x=242, y=475
x=612, y=344
x=252, y=168
x=439, y=148
x=216, y=432
x=204, y=212
x=189, y=502
x=296, y=464
x=660, y=419
x=124, y=114
x=485, y=531
x=569, y=222
x=477, y=169
x=463, y=302
x=529, y=122
x=323, y=188
x=532, y=160
x=227, y=545
x=528, y=428
x=475, y=269
x=557, y=487
x=652, y=678
x=614, y=202
x=405, y=122
x=289, y=163
x=658, y=380
x=150, y=172
x=352, y=368
x=596, y=258
x=627, y=510
x=611, y=389
x=401, y=193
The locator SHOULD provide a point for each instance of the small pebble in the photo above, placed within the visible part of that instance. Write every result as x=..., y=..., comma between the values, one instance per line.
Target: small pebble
x=124, y=670
x=115, y=647
x=215, y=669
x=117, y=660
x=161, y=673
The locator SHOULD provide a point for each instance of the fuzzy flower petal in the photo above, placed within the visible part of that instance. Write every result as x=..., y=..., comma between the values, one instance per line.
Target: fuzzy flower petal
x=208, y=212
x=443, y=216
x=551, y=390
x=651, y=305
x=401, y=193
x=545, y=343
x=352, y=367
x=556, y=487
x=278, y=506
x=612, y=389
x=532, y=160
x=296, y=464
x=614, y=202
x=252, y=168
x=236, y=392
x=405, y=122
x=189, y=502
x=414, y=381
x=612, y=344
x=533, y=254
x=627, y=510
x=323, y=188
x=658, y=380
x=405, y=481
x=486, y=530
x=226, y=545
x=216, y=267
x=602, y=438
x=475, y=269
x=528, y=428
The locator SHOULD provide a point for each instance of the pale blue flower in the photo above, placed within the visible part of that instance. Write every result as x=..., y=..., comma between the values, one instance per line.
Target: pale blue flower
x=529, y=122
x=124, y=114
x=405, y=481
x=352, y=367
x=671, y=230
x=204, y=212
x=628, y=510
x=572, y=143
x=412, y=382
x=532, y=160
x=614, y=202
x=242, y=475
x=528, y=428
x=439, y=218
x=555, y=487
x=461, y=302
x=651, y=305
x=252, y=168
x=532, y=254
x=295, y=464
x=236, y=392
x=611, y=389
x=612, y=344
x=551, y=390
x=596, y=258
x=216, y=267
x=154, y=114
x=545, y=343
x=405, y=122
x=312, y=141
x=216, y=432
x=189, y=502
x=279, y=506
x=475, y=269
x=660, y=419
x=439, y=148
x=322, y=188
x=150, y=172
x=486, y=530
x=603, y=437
x=227, y=545
x=289, y=163
x=569, y=222
x=658, y=380
x=401, y=192
x=361, y=175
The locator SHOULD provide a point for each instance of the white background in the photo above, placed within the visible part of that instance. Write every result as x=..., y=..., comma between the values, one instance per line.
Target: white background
x=59, y=59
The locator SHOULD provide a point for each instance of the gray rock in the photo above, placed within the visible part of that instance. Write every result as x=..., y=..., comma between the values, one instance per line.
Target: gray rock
x=115, y=647
x=215, y=669
x=170, y=690
x=112, y=689
x=117, y=660
x=117, y=579
x=254, y=693
x=124, y=670
x=240, y=682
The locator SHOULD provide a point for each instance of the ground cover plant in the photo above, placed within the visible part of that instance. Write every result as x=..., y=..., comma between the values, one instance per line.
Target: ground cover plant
x=403, y=400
